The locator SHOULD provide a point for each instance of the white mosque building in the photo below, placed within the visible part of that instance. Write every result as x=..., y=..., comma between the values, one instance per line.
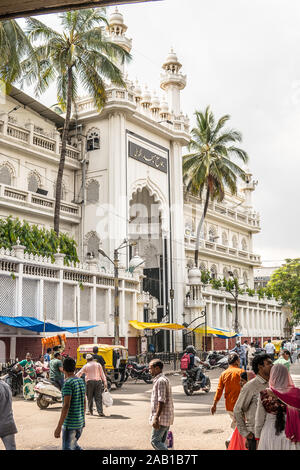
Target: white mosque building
x=123, y=180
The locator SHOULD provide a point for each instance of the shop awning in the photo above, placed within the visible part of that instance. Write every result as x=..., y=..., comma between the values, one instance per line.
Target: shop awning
x=175, y=326
x=33, y=324
x=216, y=331
x=138, y=325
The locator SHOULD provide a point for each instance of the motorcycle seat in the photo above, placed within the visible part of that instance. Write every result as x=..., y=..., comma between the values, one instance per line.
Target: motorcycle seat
x=138, y=366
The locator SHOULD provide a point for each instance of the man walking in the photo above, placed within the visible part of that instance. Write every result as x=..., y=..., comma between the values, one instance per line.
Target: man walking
x=245, y=407
x=97, y=357
x=230, y=381
x=162, y=408
x=95, y=382
x=72, y=419
x=7, y=424
x=251, y=354
x=241, y=351
x=56, y=371
x=270, y=349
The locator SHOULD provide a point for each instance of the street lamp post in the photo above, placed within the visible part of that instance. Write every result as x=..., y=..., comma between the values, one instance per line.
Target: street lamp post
x=115, y=262
x=235, y=295
x=202, y=305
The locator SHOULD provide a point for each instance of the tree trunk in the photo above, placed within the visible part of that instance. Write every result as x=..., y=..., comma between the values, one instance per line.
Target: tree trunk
x=63, y=154
x=200, y=226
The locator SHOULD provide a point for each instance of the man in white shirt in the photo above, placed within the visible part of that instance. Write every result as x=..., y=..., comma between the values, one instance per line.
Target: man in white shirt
x=270, y=349
x=288, y=346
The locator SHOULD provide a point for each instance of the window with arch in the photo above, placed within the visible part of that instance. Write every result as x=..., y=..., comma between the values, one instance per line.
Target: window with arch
x=225, y=273
x=235, y=273
x=93, y=139
x=234, y=241
x=244, y=244
x=92, y=191
x=212, y=234
x=92, y=243
x=5, y=175
x=33, y=182
x=213, y=271
x=224, y=239
x=202, y=267
x=245, y=277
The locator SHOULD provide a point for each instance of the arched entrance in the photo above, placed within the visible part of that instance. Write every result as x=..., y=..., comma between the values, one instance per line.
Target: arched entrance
x=146, y=220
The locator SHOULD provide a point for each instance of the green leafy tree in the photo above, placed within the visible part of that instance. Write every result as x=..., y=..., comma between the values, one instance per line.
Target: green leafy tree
x=210, y=165
x=14, y=45
x=285, y=284
x=81, y=54
x=36, y=240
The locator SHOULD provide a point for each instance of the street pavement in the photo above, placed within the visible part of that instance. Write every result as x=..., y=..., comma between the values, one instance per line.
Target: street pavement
x=126, y=427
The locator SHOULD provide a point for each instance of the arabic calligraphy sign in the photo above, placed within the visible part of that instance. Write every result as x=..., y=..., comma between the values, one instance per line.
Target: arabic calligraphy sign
x=146, y=156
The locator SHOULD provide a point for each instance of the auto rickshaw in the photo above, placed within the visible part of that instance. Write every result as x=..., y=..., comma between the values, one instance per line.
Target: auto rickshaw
x=277, y=343
x=115, y=357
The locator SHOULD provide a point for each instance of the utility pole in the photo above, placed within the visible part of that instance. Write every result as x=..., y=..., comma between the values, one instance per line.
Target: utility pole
x=116, y=299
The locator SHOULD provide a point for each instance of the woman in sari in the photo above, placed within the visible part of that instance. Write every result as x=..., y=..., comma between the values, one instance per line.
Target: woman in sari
x=29, y=377
x=277, y=420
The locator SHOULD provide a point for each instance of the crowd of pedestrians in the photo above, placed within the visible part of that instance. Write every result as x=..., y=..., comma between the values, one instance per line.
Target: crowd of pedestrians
x=264, y=407
x=263, y=403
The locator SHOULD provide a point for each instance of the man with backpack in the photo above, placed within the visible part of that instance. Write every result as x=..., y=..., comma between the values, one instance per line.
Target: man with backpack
x=190, y=361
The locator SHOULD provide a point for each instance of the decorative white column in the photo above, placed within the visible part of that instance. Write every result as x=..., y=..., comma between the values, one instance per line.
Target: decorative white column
x=218, y=323
x=178, y=252
x=117, y=170
x=13, y=342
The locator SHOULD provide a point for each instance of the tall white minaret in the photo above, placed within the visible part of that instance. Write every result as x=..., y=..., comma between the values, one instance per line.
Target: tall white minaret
x=116, y=30
x=248, y=190
x=172, y=82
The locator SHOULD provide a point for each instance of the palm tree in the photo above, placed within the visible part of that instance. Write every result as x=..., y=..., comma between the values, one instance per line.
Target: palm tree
x=14, y=44
x=81, y=54
x=210, y=165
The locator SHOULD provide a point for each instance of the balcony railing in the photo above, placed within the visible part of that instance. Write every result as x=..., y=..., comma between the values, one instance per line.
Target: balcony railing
x=244, y=218
x=27, y=198
x=127, y=96
x=28, y=136
x=190, y=243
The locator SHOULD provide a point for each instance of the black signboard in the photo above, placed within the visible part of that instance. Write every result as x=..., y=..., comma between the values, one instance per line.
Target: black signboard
x=146, y=156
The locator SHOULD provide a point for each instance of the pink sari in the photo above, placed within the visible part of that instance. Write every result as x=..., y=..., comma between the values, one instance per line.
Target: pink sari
x=283, y=387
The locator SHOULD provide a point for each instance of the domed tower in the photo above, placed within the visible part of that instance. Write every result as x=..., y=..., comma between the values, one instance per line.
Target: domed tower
x=173, y=81
x=116, y=33
x=248, y=189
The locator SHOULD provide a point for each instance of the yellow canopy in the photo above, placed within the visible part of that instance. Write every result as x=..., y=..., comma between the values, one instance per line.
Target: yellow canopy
x=153, y=326
x=175, y=326
x=215, y=331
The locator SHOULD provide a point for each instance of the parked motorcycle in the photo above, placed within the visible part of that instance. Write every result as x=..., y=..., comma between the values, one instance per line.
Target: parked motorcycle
x=14, y=379
x=138, y=372
x=46, y=393
x=190, y=385
x=223, y=362
x=212, y=359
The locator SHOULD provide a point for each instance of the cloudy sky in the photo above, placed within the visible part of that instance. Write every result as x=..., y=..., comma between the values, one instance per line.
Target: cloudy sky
x=242, y=57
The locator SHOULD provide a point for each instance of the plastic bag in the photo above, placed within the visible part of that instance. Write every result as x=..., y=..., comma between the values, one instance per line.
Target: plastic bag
x=107, y=399
x=237, y=442
x=170, y=440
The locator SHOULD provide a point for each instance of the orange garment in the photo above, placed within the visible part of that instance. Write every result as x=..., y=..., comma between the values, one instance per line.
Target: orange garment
x=230, y=381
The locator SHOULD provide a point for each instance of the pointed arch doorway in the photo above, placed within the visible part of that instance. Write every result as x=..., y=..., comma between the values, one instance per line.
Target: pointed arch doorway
x=146, y=228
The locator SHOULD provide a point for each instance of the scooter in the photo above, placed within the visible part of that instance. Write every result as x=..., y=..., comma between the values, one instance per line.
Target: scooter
x=190, y=385
x=14, y=379
x=46, y=393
